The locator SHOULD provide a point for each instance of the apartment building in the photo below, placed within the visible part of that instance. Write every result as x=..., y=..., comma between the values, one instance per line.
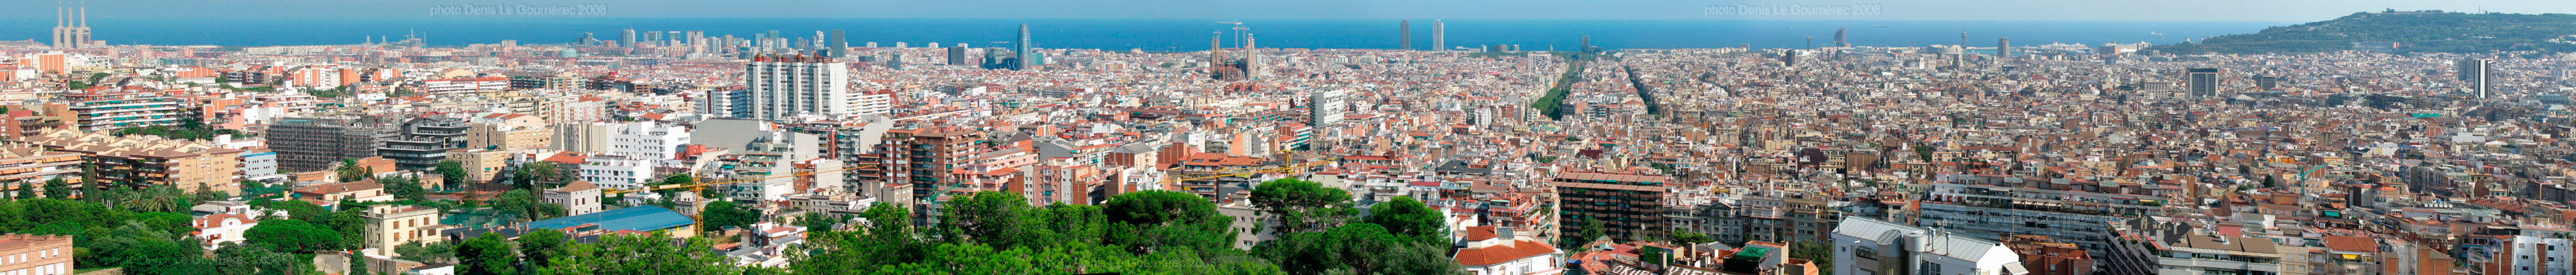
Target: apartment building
x=29, y=254
x=393, y=225
x=106, y=109
x=31, y=165
x=149, y=160
x=1631, y=206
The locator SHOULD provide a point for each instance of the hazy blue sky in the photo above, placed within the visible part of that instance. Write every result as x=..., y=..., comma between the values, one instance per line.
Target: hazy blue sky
x=2147, y=10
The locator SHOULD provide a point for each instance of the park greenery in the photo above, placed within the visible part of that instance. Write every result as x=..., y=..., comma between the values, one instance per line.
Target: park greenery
x=1553, y=103
x=1321, y=231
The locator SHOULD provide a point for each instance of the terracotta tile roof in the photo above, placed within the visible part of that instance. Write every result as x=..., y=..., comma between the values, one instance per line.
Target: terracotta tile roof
x=1491, y=255
x=1480, y=233
x=2352, y=244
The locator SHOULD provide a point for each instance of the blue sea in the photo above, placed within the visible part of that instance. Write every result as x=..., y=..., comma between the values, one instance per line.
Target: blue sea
x=1153, y=34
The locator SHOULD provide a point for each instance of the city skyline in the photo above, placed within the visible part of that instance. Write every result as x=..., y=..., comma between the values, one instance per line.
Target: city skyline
x=1977, y=10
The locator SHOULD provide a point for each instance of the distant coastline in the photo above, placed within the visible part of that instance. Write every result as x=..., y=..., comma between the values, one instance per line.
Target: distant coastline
x=1161, y=34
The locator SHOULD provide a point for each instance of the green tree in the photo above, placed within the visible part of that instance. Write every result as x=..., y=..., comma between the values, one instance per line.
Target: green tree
x=1065, y=223
x=1296, y=205
x=92, y=188
x=252, y=259
x=988, y=218
x=26, y=190
x=542, y=247
x=1409, y=218
x=818, y=222
x=486, y=255
x=351, y=223
x=1684, y=236
x=406, y=188
x=350, y=171
x=452, y=173
x=1818, y=253
x=57, y=188
x=1358, y=248
x=721, y=214
x=886, y=238
x=160, y=198
x=293, y=236
x=1151, y=221
x=437, y=252
x=303, y=211
x=1582, y=234
x=358, y=266
x=206, y=194
x=647, y=254
x=526, y=206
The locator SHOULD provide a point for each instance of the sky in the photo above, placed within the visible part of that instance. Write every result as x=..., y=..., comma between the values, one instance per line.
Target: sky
x=1857, y=10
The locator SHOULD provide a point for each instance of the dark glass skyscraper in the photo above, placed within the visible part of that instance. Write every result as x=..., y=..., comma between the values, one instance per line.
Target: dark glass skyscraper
x=840, y=43
x=1405, y=27
x=626, y=38
x=2204, y=81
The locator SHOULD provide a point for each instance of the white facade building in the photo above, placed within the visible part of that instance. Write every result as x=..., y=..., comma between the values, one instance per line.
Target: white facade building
x=616, y=171
x=787, y=86
x=1871, y=246
x=578, y=197
x=653, y=141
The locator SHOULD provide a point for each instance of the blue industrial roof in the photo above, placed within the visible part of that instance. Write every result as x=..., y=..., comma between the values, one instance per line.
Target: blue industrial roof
x=639, y=218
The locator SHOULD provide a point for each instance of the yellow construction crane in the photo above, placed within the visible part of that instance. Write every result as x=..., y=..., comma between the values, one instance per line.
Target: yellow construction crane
x=701, y=187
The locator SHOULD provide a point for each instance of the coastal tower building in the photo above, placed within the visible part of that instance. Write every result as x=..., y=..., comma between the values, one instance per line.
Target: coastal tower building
x=1841, y=38
x=2003, y=48
x=1405, y=29
x=1023, y=57
x=1439, y=36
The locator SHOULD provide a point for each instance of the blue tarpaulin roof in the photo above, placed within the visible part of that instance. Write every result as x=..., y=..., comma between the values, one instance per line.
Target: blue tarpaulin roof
x=639, y=218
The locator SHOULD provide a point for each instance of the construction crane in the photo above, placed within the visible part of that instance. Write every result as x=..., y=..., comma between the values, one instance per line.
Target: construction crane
x=1238, y=31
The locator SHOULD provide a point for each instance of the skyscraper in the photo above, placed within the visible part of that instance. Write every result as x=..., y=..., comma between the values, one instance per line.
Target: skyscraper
x=2204, y=82
x=957, y=55
x=1840, y=36
x=790, y=85
x=1405, y=27
x=2003, y=50
x=2474, y=71
x=71, y=27
x=1023, y=56
x=1439, y=36
x=626, y=38
x=840, y=45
